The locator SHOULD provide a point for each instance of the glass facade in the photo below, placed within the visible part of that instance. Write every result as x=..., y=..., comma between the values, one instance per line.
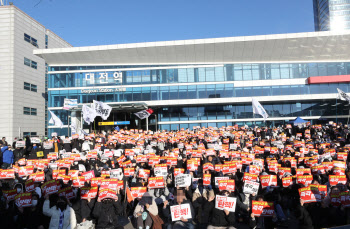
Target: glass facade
x=132, y=84
x=331, y=15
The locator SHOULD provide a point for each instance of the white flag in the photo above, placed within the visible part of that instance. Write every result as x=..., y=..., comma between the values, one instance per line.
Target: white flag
x=258, y=109
x=343, y=96
x=102, y=109
x=89, y=114
x=55, y=120
x=144, y=114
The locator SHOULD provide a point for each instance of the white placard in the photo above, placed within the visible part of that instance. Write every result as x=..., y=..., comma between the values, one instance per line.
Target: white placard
x=224, y=202
x=183, y=180
x=160, y=171
x=220, y=178
x=251, y=187
x=35, y=140
x=180, y=211
x=53, y=134
x=20, y=144
x=48, y=145
x=233, y=146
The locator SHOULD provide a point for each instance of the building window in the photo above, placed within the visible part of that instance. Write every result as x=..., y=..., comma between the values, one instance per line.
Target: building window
x=26, y=61
x=26, y=86
x=26, y=110
x=46, y=41
x=26, y=37
x=30, y=134
x=34, y=42
x=33, y=87
x=31, y=40
x=33, y=111
x=34, y=65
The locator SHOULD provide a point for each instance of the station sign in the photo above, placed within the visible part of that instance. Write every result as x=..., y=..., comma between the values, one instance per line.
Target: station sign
x=114, y=123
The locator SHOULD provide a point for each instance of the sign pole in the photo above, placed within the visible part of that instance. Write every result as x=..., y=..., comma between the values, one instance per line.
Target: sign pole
x=336, y=109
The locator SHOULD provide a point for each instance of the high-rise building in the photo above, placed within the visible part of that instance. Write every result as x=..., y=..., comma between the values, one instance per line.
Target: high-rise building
x=22, y=74
x=331, y=15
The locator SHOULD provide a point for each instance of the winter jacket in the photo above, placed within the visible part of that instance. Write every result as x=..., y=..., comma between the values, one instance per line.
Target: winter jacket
x=153, y=208
x=18, y=154
x=7, y=155
x=219, y=217
x=107, y=213
x=69, y=220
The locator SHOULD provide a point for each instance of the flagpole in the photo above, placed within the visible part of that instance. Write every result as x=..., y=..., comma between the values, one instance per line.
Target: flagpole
x=336, y=109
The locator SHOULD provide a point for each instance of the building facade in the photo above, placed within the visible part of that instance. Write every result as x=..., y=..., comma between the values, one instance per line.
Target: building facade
x=22, y=74
x=331, y=15
x=207, y=82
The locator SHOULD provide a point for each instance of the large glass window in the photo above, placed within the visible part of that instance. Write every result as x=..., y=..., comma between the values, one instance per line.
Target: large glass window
x=26, y=110
x=32, y=111
x=26, y=86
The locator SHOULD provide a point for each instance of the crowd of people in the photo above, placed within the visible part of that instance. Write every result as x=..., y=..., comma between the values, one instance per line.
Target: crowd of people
x=229, y=177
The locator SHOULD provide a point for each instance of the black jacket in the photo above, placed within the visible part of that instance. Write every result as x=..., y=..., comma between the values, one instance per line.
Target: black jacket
x=18, y=154
x=106, y=214
x=218, y=218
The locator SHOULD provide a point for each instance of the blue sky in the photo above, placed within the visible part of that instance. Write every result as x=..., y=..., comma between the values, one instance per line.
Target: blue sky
x=102, y=22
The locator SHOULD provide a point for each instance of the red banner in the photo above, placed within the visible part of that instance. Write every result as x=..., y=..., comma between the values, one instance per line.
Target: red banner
x=88, y=175
x=287, y=181
x=155, y=182
x=67, y=192
x=23, y=200
x=334, y=180
x=9, y=194
x=87, y=193
x=144, y=173
x=137, y=192
x=7, y=174
x=78, y=182
x=29, y=185
x=96, y=181
x=178, y=171
x=107, y=194
x=109, y=184
x=268, y=180
x=228, y=185
x=263, y=208
x=304, y=180
x=50, y=187
x=38, y=177
x=250, y=177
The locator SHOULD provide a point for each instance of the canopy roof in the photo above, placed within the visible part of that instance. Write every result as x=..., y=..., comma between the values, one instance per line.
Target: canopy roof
x=327, y=46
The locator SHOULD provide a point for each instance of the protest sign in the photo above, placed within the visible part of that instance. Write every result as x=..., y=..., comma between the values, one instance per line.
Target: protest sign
x=161, y=170
x=180, y=211
x=23, y=200
x=107, y=194
x=50, y=187
x=29, y=186
x=263, y=208
x=20, y=144
x=178, y=171
x=9, y=194
x=250, y=187
x=206, y=179
x=7, y=174
x=224, y=202
x=228, y=185
x=87, y=192
x=67, y=192
x=217, y=179
x=137, y=192
x=155, y=182
x=88, y=175
x=183, y=180
x=268, y=180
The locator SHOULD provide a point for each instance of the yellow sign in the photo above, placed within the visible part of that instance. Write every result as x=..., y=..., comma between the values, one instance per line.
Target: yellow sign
x=105, y=123
x=40, y=154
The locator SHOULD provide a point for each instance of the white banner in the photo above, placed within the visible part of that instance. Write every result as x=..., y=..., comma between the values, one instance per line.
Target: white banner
x=343, y=96
x=224, y=202
x=183, y=180
x=89, y=114
x=258, y=109
x=251, y=187
x=102, y=109
x=180, y=211
x=69, y=104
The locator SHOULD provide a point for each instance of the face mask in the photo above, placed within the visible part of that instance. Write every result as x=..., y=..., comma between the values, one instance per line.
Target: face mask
x=19, y=190
x=34, y=203
x=75, y=162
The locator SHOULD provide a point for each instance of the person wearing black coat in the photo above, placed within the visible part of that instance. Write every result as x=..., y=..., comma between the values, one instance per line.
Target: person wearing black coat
x=67, y=146
x=219, y=218
x=305, y=220
x=33, y=153
x=18, y=153
x=106, y=213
